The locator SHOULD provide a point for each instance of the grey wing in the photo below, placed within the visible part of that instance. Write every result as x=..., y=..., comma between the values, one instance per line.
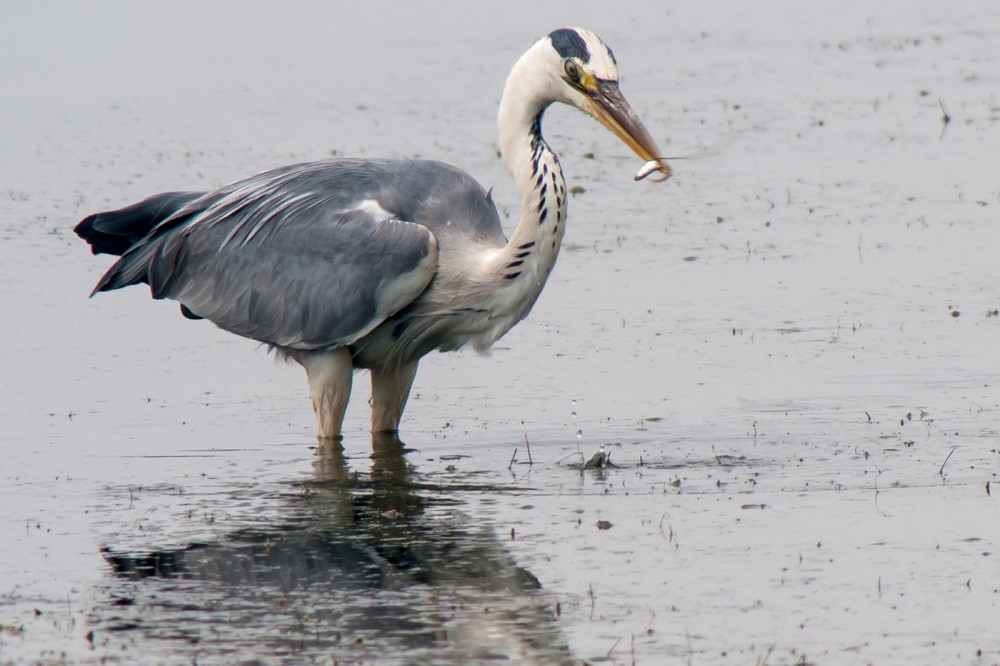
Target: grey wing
x=281, y=258
x=317, y=282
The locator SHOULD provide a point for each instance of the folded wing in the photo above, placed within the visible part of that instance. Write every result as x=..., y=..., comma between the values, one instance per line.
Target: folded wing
x=302, y=257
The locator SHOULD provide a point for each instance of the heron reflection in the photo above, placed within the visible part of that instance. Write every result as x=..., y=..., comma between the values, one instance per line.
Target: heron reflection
x=358, y=565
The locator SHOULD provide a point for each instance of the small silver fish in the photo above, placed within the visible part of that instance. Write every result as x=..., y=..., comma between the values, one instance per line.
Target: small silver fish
x=651, y=166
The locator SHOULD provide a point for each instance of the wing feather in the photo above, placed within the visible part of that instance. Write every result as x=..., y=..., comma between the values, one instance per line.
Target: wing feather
x=317, y=281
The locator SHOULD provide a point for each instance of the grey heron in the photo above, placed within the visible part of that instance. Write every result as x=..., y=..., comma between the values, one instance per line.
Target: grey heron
x=346, y=264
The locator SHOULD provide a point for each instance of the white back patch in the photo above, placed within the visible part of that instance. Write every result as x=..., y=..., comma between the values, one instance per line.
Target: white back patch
x=371, y=207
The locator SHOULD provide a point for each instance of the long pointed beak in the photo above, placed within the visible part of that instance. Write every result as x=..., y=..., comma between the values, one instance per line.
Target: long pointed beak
x=609, y=106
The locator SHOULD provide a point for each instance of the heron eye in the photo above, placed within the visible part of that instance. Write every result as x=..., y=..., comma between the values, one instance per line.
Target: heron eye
x=572, y=71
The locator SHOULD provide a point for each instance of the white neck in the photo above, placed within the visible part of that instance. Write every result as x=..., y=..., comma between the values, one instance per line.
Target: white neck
x=525, y=263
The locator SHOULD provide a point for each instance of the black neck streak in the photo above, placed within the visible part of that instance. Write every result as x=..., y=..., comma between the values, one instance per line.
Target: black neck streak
x=541, y=174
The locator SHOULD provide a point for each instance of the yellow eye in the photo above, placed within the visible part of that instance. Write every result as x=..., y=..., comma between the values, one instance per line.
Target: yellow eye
x=572, y=71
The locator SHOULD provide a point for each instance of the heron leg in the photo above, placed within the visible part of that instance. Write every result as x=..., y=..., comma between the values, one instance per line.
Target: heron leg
x=329, y=374
x=390, y=389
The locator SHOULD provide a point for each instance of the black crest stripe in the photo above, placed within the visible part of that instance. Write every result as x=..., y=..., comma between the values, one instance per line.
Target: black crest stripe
x=569, y=44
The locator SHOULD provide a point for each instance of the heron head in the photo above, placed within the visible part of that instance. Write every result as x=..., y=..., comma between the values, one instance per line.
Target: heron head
x=586, y=76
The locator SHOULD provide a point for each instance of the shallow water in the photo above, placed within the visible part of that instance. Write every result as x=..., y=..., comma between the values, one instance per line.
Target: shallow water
x=789, y=351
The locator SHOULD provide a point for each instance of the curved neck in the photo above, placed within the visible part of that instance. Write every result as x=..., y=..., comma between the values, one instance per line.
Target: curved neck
x=534, y=244
x=512, y=276
x=519, y=125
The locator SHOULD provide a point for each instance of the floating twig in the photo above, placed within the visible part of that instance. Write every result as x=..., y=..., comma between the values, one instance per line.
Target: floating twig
x=528, y=445
x=877, y=508
x=941, y=471
x=512, y=459
x=945, y=119
x=614, y=646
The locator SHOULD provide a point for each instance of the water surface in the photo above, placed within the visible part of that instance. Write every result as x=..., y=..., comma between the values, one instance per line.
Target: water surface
x=789, y=350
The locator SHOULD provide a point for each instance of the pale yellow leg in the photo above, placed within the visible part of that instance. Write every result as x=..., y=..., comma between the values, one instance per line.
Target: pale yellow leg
x=329, y=374
x=390, y=389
